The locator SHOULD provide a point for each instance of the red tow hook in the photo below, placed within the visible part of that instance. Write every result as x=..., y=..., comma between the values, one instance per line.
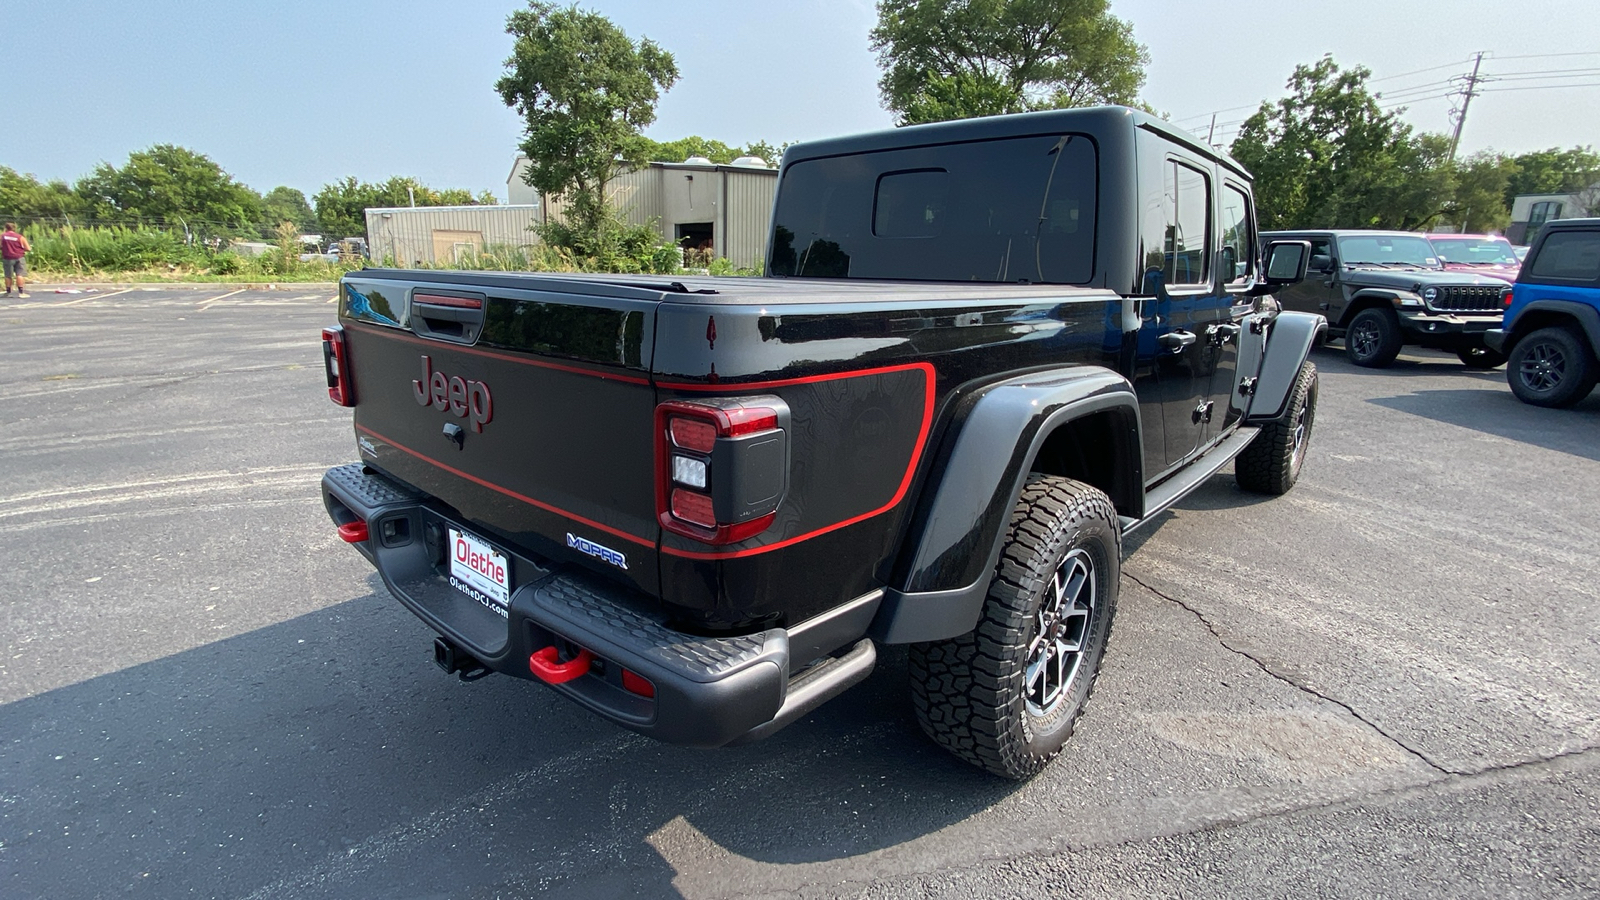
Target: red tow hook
x=543, y=664
x=354, y=532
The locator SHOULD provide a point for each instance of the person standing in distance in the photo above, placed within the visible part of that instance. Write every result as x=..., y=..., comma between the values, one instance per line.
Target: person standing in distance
x=13, y=256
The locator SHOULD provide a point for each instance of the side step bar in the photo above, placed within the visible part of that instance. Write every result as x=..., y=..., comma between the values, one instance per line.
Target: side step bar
x=1190, y=477
x=816, y=686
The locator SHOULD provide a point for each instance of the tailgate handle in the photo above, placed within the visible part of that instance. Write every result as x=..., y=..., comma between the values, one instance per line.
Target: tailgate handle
x=543, y=664
x=454, y=316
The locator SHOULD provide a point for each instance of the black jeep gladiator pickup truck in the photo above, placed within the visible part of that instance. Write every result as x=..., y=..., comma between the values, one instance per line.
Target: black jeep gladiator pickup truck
x=983, y=352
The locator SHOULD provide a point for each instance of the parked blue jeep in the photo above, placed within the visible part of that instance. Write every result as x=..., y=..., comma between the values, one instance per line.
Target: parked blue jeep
x=1551, y=332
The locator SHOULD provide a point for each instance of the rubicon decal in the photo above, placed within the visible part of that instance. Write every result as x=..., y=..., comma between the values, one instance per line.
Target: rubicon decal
x=451, y=393
x=584, y=545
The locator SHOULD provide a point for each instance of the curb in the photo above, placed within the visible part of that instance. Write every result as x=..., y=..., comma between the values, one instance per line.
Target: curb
x=102, y=286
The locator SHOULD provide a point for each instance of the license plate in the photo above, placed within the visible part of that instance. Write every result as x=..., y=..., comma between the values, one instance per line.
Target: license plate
x=479, y=570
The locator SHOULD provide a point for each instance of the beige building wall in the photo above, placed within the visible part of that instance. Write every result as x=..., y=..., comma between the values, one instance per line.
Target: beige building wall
x=735, y=201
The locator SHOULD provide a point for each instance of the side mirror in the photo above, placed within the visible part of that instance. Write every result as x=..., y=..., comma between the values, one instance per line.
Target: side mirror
x=1321, y=263
x=1286, y=263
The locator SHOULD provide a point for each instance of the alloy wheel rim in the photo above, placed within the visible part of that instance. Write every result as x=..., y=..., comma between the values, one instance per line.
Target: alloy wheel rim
x=1543, y=367
x=1365, y=339
x=1302, y=434
x=1060, y=627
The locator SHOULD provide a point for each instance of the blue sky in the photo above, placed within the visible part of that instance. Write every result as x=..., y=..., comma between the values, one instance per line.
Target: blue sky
x=300, y=93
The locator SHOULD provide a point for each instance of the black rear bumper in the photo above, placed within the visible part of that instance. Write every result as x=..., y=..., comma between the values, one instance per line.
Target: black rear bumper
x=702, y=691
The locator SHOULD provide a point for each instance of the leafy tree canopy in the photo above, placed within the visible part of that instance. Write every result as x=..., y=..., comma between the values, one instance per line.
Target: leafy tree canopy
x=285, y=204
x=1553, y=171
x=716, y=151
x=1327, y=156
x=585, y=91
x=171, y=185
x=952, y=59
x=24, y=197
x=342, y=205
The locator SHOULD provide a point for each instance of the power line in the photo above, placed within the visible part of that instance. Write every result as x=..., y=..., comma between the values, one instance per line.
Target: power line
x=1539, y=87
x=1466, y=101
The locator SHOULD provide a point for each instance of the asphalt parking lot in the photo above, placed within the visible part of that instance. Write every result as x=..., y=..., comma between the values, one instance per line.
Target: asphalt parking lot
x=1386, y=683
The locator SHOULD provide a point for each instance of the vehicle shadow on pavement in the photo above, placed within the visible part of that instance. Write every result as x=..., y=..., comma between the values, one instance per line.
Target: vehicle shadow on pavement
x=1413, y=362
x=1501, y=414
x=325, y=756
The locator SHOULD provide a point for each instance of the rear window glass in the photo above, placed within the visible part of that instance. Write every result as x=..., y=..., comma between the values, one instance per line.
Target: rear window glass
x=1569, y=256
x=1019, y=209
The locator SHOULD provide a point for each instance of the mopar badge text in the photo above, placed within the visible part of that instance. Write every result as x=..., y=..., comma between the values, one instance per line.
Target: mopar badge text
x=452, y=393
x=583, y=545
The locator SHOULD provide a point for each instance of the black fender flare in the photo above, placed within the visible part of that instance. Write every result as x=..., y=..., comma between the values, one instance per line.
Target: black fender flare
x=1290, y=337
x=1586, y=316
x=1368, y=297
x=959, y=526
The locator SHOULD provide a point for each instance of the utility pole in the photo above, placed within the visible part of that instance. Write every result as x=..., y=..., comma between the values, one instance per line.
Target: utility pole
x=1213, y=132
x=1468, y=94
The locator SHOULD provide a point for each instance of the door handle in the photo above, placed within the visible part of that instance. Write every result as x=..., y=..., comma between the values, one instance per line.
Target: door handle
x=1224, y=333
x=1177, y=340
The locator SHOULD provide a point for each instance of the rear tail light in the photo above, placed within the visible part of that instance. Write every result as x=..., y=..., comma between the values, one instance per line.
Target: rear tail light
x=722, y=466
x=336, y=360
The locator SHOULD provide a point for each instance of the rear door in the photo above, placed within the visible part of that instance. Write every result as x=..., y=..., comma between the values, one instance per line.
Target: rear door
x=523, y=404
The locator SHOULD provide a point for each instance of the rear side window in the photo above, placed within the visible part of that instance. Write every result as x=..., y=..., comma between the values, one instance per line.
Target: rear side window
x=1238, y=236
x=1568, y=256
x=1187, y=198
x=1018, y=209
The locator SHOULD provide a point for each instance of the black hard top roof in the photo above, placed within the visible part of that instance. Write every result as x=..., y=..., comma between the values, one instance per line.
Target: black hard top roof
x=1089, y=120
x=1366, y=232
x=1571, y=223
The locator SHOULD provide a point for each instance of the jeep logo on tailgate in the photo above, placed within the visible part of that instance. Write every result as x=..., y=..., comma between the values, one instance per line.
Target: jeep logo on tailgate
x=467, y=399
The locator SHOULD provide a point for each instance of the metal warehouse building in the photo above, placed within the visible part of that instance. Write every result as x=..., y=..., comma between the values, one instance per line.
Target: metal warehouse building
x=697, y=203
x=449, y=235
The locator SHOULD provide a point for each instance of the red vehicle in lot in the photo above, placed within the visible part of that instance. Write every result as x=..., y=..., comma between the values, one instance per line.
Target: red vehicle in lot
x=1482, y=254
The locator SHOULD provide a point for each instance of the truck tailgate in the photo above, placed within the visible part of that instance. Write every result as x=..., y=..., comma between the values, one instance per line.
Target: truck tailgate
x=527, y=410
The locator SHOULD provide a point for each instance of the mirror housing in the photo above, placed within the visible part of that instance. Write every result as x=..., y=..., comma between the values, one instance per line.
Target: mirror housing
x=1322, y=262
x=1285, y=264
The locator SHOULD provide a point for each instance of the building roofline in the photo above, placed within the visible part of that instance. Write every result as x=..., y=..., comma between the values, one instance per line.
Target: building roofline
x=395, y=209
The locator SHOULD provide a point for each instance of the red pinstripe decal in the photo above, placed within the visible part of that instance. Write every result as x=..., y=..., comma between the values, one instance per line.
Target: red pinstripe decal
x=522, y=360
x=905, y=481
x=510, y=493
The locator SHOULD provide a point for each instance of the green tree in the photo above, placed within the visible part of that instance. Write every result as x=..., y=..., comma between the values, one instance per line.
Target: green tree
x=952, y=59
x=1479, y=204
x=1553, y=171
x=1327, y=156
x=25, y=197
x=285, y=204
x=342, y=205
x=683, y=148
x=173, y=186
x=585, y=91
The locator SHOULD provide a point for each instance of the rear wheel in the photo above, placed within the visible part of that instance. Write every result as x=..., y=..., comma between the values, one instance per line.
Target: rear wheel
x=1272, y=462
x=1480, y=357
x=1552, y=367
x=1006, y=695
x=1373, y=338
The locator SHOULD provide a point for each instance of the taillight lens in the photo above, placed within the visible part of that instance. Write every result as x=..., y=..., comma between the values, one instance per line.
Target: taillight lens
x=722, y=466
x=336, y=360
x=1506, y=294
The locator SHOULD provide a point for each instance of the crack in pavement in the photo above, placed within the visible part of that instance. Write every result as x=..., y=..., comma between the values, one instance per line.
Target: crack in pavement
x=1425, y=758
x=1560, y=762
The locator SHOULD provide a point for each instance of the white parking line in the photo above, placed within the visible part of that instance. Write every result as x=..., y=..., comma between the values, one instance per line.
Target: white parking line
x=207, y=304
x=92, y=297
x=334, y=299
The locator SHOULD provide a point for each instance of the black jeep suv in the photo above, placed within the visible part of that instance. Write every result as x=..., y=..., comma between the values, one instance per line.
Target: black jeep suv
x=1384, y=289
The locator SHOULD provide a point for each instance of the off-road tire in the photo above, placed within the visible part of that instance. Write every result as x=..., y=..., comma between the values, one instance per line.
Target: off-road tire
x=1552, y=367
x=972, y=693
x=1481, y=357
x=1373, y=339
x=1272, y=462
